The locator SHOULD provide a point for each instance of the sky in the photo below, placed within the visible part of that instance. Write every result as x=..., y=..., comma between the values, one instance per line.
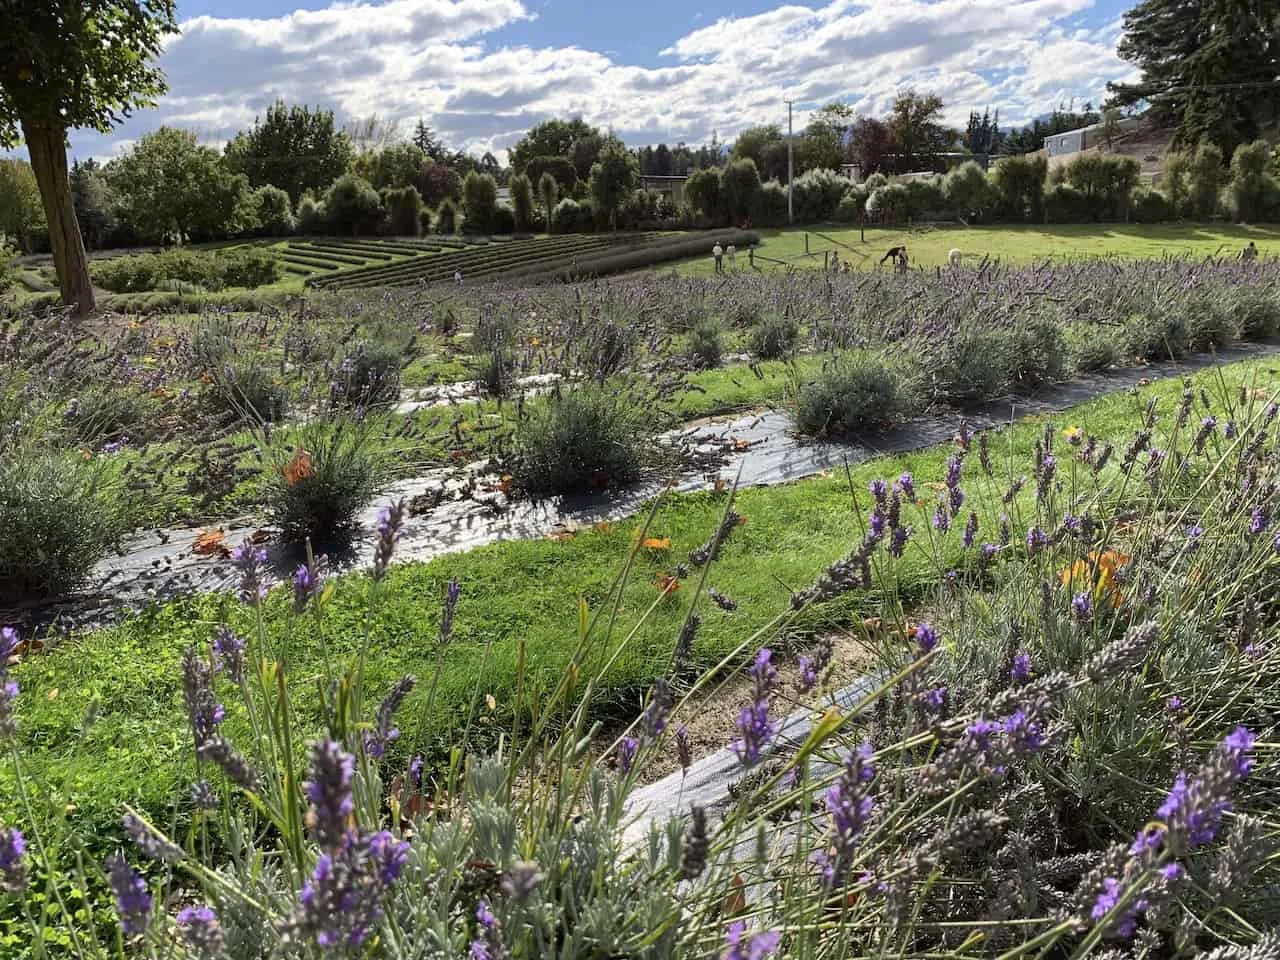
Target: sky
x=481, y=72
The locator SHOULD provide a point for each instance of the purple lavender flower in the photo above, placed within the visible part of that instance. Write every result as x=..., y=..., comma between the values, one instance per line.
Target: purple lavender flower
x=1037, y=540
x=627, y=753
x=898, y=540
x=488, y=943
x=203, y=796
x=880, y=491
x=8, y=703
x=1044, y=476
x=8, y=646
x=941, y=516
x=1257, y=522
x=907, y=484
x=133, y=902
x=1229, y=430
x=955, y=500
x=1020, y=672
x=808, y=675
x=970, y=530
x=1174, y=704
x=251, y=561
x=740, y=947
x=201, y=932
x=13, y=866
x=988, y=551
x=926, y=637
x=877, y=523
x=415, y=771
x=1194, y=807
x=329, y=791
x=451, y=594
x=1025, y=735
x=342, y=901
x=935, y=699
x=149, y=843
x=1082, y=607
x=654, y=722
x=390, y=521
x=228, y=653
x=1123, y=925
x=204, y=712
x=955, y=466
x=756, y=729
x=306, y=584
x=850, y=805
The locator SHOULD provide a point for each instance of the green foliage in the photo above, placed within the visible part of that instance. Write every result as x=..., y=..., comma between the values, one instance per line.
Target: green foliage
x=446, y=218
x=21, y=210
x=852, y=207
x=272, y=211
x=1104, y=183
x=816, y=194
x=504, y=222
x=99, y=415
x=551, y=138
x=322, y=502
x=1150, y=206
x=1019, y=184
x=1210, y=323
x=706, y=343
x=247, y=392
x=170, y=188
x=614, y=177
x=578, y=440
x=1255, y=309
x=404, y=210
x=702, y=193
x=1093, y=348
x=889, y=203
x=370, y=375
x=480, y=201
x=1066, y=204
x=774, y=337
x=313, y=219
x=978, y=363
x=925, y=198
x=548, y=191
x=149, y=271
x=352, y=206
x=8, y=273
x=522, y=203
x=1252, y=188
x=1158, y=333
x=739, y=190
x=969, y=193
x=854, y=391
x=753, y=144
x=558, y=168
x=60, y=516
x=566, y=217
x=771, y=205
x=915, y=122
x=1173, y=180
x=395, y=166
x=295, y=148
x=1204, y=181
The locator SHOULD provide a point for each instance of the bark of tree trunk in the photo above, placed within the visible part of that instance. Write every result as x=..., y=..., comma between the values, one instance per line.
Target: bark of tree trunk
x=48, y=149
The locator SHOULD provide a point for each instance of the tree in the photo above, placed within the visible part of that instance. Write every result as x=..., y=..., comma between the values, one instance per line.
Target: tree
x=559, y=167
x=1204, y=181
x=739, y=186
x=614, y=178
x=372, y=133
x=917, y=133
x=396, y=165
x=548, y=193
x=273, y=211
x=871, y=146
x=425, y=140
x=551, y=138
x=171, y=189
x=353, y=206
x=1173, y=180
x=1110, y=126
x=436, y=182
x=1019, y=183
x=1209, y=67
x=584, y=153
x=982, y=135
x=752, y=143
x=294, y=148
x=404, y=210
x=825, y=138
x=1252, y=187
x=968, y=191
x=90, y=196
x=67, y=65
x=21, y=213
x=480, y=200
x=702, y=192
x=522, y=202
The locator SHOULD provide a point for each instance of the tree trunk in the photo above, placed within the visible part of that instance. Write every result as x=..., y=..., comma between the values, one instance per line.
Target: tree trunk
x=48, y=148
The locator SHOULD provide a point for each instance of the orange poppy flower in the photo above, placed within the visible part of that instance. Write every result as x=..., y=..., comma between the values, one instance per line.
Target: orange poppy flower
x=299, y=468
x=657, y=543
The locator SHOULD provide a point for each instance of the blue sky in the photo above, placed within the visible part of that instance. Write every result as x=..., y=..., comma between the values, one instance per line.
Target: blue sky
x=482, y=71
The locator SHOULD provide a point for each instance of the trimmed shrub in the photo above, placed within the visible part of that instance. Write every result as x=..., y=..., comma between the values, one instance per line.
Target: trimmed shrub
x=771, y=205
x=1150, y=206
x=888, y=204
x=874, y=183
x=60, y=516
x=503, y=221
x=273, y=211
x=925, y=198
x=702, y=193
x=353, y=206
x=566, y=216
x=312, y=219
x=706, y=343
x=1256, y=310
x=480, y=200
x=369, y=376
x=446, y=218
x=852, y=206
x=1252, y=193
x=318, y=488
x=425, y=221
x=1019, y=185
x=773, y=337
x=249, y=392
x=149, y=271
x=979, y=364
x=1173, y=181
x=1204, y=181
x=1210, y=322
x=247, y=268
x=1092, y=348
x=1158, y=334
x=739, y=184
x=1066, y=204
x=404, y=210
x=969, y=193
x=816, y=194
x=853, y=391
x=580, y=440
x=522, y=203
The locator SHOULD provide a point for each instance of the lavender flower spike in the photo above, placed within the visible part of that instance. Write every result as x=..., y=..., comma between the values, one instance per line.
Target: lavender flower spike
x=201, y=931
x=13, y=867
x=755, y=727
x=133, y=902
x=741, y=947
x=251, y=561
x=329, y=791
x=390, y=521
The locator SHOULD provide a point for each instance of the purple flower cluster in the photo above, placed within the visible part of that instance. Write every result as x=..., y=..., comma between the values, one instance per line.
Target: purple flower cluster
x=741, y=947
x=627, y=750
x=926, y=638
x=251, y=561
x=228, y=653
x=755, y=727
x=8, y=687
x=383, y=733
x=488, y=943
x=1020, y=671
x=13, y=865
x=133, y=901
x=204, y=713
x=850, y=804
x=201, y=931
x=390, y=522
x=343, y=898
x=306, y=585
x=451, y=594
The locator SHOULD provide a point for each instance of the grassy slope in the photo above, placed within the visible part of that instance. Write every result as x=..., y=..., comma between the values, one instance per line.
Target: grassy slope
x=1008, y=243
x=513, y=593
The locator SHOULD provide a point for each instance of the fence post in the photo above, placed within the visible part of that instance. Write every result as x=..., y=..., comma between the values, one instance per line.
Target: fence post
x=806, y=243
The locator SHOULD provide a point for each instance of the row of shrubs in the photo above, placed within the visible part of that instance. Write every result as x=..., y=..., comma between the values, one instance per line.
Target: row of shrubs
x=1092, y=187
x=177, y=270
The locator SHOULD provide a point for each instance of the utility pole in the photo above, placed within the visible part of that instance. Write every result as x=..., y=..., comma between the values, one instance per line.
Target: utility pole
x=790, y=163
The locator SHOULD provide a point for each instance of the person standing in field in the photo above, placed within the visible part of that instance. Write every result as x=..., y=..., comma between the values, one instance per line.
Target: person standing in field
x=717, y=254
x=1249, y=253
x=732, y=251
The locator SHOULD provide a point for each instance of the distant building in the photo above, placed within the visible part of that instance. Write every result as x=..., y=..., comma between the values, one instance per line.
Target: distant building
x=671, y=188
x=1073, y=141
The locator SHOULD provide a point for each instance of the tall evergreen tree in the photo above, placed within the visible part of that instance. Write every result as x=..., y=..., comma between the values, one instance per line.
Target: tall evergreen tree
x=1210, y=67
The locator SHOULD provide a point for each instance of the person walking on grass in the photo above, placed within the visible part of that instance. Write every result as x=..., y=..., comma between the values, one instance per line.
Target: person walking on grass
x=1249, y=253
x=717, y=254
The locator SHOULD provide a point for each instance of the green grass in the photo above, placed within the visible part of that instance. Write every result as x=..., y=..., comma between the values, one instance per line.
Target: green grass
x=101, y=714
x=1009, y=244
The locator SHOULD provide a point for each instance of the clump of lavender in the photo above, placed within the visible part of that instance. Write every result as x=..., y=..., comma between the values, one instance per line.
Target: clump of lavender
x=970, y=530
x=755, y=727
x=251, y=561
x=203, y=796
x=684, y=643
x=228, y=653
x=654, y=722
x=13, y=864
x=201, y=931
x=738, y=946
x=133, y=901
x=926, y=638
x=384, y=732
x=725, y=603
x=204, y=713
x=390, y=522
x=850, y=804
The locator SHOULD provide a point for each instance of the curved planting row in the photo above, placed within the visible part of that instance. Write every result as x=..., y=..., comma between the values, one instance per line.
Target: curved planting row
x=473, y=263
x=663, y=249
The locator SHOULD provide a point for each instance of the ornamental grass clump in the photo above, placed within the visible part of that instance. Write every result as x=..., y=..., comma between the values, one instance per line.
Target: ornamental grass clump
x=247, y=393
x=60, y=515
x=582, y=438
x=368, y=376
x=854, y=391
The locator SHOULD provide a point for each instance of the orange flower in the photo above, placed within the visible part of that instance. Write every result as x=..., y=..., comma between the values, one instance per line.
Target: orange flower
x=299, y=468
x=656, y=543
x=667, y=583
x=1104, y=588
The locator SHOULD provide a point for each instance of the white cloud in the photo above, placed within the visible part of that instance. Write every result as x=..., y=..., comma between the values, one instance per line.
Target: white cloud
x=446, y=61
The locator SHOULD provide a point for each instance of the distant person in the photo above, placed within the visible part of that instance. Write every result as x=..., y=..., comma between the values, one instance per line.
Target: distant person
x=732, y=252
x=717, y=254
x=457, y=277
x=894, y=254
x=835, y=261
x=955, y=258
x=1249, y=253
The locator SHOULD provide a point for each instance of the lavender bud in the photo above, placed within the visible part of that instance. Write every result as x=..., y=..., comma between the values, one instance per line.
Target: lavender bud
x=150, y=843
x=133, y=902
x=13, y=866
x=390, y=522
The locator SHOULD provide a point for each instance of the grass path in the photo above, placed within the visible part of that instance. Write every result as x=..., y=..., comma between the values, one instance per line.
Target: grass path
x=519, y=599
x=1009, y=244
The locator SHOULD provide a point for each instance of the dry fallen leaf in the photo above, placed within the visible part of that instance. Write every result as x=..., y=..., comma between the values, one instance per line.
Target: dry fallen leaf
x=667, y=583
x=299, y=468
x=209, y=543
x=259, y=537
x=740, y=444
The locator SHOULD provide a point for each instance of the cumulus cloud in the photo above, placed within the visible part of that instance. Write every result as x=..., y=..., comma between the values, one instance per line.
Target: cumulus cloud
x=448, y=61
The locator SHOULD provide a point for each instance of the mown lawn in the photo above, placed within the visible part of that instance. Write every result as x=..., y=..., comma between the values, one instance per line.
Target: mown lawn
x=1010, y=244
x=101, y=714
